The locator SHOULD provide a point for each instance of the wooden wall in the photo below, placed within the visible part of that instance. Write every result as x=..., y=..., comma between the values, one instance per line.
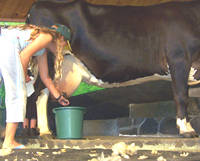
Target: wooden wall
x=14, y=10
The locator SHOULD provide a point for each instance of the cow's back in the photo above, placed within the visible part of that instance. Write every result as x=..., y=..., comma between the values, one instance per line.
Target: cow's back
x=120, y=43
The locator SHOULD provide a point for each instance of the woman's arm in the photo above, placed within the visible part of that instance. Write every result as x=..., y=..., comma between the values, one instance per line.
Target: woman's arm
x=44, y=74
x=40, y=42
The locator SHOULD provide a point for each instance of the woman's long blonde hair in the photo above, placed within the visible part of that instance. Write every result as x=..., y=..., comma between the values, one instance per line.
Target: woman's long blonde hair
x=56, y=38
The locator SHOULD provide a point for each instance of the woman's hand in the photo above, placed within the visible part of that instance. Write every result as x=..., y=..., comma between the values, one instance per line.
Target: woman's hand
x=62, y=100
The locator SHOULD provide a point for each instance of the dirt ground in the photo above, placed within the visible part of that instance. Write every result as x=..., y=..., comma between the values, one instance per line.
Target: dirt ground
x=107, y=149
x=96, y=155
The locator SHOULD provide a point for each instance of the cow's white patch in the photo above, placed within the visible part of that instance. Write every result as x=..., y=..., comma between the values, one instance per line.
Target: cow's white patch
x=191, y=78
x=184, y=126
x=191, y=75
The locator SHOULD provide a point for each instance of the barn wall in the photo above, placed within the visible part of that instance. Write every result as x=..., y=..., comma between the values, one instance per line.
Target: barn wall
x=14, y=10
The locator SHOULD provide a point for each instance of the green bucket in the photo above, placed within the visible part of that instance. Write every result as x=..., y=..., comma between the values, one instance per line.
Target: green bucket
x=69, y=122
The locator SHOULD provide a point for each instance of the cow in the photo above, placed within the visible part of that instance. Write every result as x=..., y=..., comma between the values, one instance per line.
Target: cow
x=115, y=46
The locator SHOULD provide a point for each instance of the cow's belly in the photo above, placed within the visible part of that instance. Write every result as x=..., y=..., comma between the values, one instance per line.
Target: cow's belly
x=75, y=64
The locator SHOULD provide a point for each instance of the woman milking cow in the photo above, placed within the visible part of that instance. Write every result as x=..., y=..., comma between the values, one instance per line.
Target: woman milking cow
x=18, y=45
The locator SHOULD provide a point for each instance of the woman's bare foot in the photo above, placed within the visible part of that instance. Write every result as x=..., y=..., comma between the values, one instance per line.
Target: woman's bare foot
x=10, y=145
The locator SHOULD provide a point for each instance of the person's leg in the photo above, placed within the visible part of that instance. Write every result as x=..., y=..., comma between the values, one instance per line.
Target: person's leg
x=26, y=123
x=27, y=118
x=33, y=123
x=32, y=113
x=25, y=130
x=9, y=141
x=34, y=131
x=13, y=76
x=30, y=122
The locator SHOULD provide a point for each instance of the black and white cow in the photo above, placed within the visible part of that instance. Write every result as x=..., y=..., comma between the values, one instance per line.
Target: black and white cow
x=118, y=45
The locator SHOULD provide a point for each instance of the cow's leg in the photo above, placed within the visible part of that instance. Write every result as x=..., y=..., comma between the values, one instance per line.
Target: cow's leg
x=42, y=120
x=179, y=68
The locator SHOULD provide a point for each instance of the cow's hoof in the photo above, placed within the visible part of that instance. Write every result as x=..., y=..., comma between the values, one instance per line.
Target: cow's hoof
x=189, y=134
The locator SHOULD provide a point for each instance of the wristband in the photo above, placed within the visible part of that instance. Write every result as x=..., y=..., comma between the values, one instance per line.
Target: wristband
x=57, y=99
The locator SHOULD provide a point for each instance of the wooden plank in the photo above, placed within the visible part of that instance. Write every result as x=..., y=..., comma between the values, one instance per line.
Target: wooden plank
x=12, y=19
x=130, y=2
x=15, y=9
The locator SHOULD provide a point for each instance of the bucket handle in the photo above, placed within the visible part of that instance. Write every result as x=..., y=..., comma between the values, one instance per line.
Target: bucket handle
x=54, y=110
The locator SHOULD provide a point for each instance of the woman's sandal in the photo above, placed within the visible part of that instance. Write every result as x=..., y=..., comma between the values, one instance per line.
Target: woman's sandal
x=19, y=147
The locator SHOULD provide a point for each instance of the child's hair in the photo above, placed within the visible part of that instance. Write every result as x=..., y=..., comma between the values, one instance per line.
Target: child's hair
x=56, y=38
